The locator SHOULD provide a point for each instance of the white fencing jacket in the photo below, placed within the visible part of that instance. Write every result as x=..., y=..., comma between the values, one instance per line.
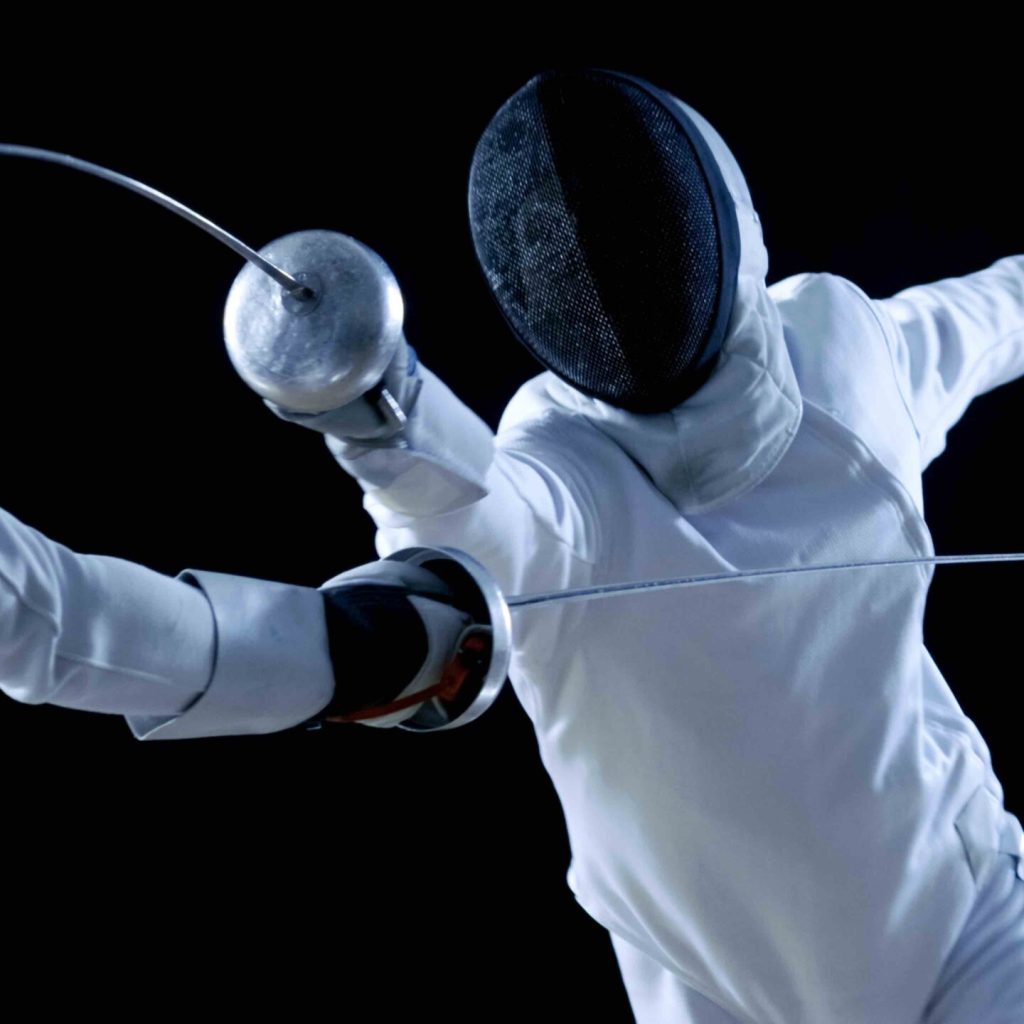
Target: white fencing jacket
x=771, y=794
x=769, y=788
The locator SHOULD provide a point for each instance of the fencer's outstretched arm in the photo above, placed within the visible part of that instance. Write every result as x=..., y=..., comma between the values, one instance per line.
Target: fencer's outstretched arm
x=210, y=654
x=954, y=339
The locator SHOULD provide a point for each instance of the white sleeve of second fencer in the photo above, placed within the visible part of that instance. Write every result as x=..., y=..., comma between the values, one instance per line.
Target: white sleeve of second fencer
x=522, y=507
x=272, y=667
x=97, y=633
x=955, y=339
x=206, y=654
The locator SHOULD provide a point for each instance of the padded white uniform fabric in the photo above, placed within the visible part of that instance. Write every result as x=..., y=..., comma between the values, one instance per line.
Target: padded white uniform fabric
x=97, y=633
x=226, y=655
x=771, y=792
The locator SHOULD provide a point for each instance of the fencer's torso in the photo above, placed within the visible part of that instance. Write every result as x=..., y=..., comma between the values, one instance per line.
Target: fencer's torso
x=767, y=780
x=768, y=786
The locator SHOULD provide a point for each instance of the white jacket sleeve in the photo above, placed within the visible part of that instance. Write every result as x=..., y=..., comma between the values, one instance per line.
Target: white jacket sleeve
x=205, y=654
x=523, y=510
x=95, y=632
x=952, y=340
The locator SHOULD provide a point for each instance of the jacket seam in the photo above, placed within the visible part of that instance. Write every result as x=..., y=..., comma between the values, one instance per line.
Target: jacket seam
x=767, y=461
x=541, y=522
x=577, y=477
x=869, y=304
x=43, y=613
x=75, y=659
x=925, y=434
x=971, y=375
x=964, y=743
x=102, y=666
x=870, y=472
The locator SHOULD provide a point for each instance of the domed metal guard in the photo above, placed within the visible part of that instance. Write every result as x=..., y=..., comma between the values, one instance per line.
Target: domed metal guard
x=321, y=354
x=474, y=677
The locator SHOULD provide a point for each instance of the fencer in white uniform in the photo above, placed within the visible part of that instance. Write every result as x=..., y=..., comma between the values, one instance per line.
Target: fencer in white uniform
x=774, y=802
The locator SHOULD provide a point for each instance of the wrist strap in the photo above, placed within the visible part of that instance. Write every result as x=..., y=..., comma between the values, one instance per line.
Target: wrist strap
x=467, y=658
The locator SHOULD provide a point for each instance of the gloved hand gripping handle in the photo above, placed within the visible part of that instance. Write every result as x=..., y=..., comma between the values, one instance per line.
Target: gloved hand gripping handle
x=314, y=356
x=461, y=641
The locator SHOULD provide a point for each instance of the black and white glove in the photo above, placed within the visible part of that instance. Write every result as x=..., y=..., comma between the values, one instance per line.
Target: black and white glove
x=394, y=633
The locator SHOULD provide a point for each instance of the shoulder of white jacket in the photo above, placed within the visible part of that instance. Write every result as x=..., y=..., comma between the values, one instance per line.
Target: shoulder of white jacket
x=821, y=297
x=790, y=286
x=532, y=402
x=551, y=414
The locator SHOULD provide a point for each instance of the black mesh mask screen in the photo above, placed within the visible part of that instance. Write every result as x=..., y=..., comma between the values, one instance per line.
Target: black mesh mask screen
x=607, y=235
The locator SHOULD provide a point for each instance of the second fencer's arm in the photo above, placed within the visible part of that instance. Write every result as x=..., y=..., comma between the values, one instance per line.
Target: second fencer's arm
x=206, y=654
x=95, y=632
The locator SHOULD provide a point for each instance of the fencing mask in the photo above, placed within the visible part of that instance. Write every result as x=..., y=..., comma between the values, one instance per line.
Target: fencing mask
x=607, y=235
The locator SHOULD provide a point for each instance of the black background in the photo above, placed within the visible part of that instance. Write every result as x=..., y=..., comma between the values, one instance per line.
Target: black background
x=365, y=866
